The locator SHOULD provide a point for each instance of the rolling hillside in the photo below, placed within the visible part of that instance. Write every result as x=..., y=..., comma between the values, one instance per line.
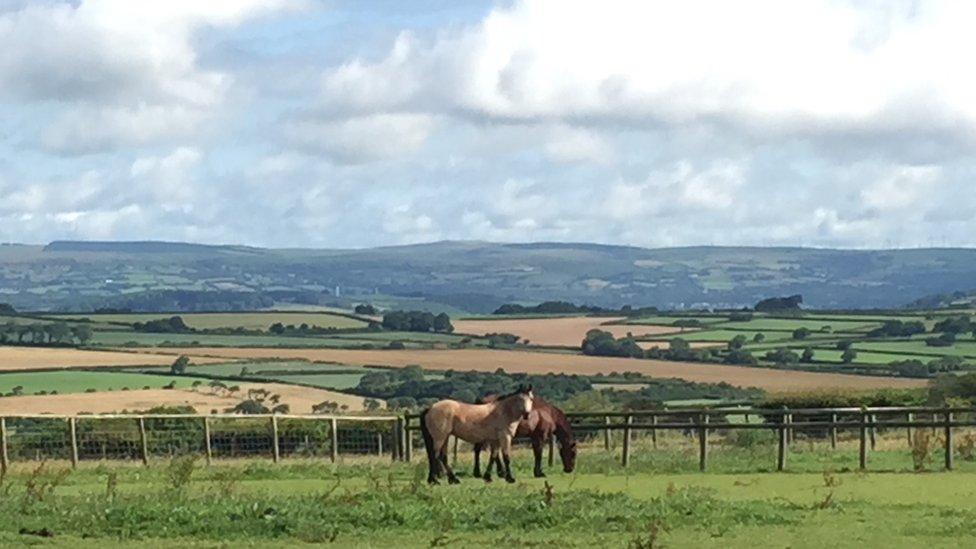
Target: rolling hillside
x=466, y=276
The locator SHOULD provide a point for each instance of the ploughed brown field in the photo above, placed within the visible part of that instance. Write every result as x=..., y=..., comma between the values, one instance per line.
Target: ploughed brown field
x=300, y=400
x=564, y=332
x=30, y=358
x=488, y=360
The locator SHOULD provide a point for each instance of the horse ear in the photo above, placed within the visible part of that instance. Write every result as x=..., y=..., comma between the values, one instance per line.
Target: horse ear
x=528, y=389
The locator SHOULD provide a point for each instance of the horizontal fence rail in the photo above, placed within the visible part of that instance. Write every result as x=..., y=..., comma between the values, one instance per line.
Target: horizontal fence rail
x=142, y=438
x=785, y=423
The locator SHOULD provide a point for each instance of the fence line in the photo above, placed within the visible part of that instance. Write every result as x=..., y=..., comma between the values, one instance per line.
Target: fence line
x=699, y=423
x=142, y=437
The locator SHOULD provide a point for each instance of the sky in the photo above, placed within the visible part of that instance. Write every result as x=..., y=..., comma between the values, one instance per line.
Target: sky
x=335, y=124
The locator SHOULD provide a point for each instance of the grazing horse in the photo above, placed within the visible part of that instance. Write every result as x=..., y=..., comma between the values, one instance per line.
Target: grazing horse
x=492, y=423
x=544, y=421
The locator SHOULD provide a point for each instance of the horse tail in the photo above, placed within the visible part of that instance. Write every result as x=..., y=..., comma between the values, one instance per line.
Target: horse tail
x=432, y=459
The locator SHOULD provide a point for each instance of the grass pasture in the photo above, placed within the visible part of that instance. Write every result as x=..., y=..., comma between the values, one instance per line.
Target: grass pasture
x=81, y=381
x=372, y=503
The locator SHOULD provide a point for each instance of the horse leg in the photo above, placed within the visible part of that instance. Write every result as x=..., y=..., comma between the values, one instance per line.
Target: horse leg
x=506, y=456
x=451, y=477
x=537, y=452
x=477, y=460
x=492, y=457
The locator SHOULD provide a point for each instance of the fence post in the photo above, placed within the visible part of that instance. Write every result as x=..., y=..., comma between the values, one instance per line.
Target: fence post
x=143, y=443
x=606, y=434
x=407, y=441
x=206, y=440
x=334, y=429
x=911, y=418
x=552, y=450
x=833, y=431
x=948, y=441
x=863, y=447
x=379, y=444
x=873, y=431
x=654, y=431
x=4, y=457
x=625, y=458
x=703, y=442
x=783, y=442
x=73, y=432
x=275, y=449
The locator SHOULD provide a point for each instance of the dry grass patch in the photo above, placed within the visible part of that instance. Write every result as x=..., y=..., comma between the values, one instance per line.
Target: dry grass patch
x=38, y=358
x=203, y=400
x=488, y=360
x=564, y=332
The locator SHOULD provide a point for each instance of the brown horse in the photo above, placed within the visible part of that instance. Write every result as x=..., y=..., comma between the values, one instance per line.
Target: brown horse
x=543, y=422
x=492, y=423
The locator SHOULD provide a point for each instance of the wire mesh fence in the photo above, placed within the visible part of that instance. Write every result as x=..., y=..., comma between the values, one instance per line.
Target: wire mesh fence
x=133, y=438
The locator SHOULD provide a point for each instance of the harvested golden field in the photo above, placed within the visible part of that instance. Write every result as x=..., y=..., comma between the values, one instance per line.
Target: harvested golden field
x=488, y=360
x=300, y=399
x=565, y=331
x=31, y=358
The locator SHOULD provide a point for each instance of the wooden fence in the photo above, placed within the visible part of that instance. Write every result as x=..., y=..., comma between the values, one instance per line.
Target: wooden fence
x=786, y=423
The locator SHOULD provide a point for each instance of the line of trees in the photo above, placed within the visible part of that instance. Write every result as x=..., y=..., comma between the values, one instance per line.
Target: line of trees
x=565, y=308
x=44, y=333
x=417, y=321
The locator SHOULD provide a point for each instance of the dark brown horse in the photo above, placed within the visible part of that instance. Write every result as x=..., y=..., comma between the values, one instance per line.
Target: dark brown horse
x=544, y=421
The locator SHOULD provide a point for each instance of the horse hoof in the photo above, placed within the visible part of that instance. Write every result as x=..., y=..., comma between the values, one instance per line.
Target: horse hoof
x=510, y=480
x=540, y=474
x=454, y=480
x=487, y=480
x=432, y=481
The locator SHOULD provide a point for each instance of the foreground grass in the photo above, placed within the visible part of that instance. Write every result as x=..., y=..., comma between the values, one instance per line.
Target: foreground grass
x=257, y=504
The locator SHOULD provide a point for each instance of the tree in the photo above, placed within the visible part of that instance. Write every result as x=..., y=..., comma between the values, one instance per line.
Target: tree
x=371, y=404
x=737, y=342
x=83, y=333
x=848, y=355
x=178, y=367
x=777, y=304
x=442, y=323
x=807, y=356
x=365, y=309
x=759, y=338
x=801, y=333
x=782, y=357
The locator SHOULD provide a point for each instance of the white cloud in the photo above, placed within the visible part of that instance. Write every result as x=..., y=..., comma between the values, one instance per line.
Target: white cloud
x=901, y=188
x=363, y=138
x=763, y=66
x=122, y=72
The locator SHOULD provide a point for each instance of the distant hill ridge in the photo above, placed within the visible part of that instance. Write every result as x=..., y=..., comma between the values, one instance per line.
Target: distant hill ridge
x=470, y=276
x=142, y=247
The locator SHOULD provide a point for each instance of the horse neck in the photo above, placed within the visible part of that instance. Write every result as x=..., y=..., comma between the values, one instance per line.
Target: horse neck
x=562, y=430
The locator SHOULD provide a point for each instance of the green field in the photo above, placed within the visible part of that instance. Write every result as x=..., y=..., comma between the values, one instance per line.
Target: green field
x=962, y=348
x=80, y=381
x=315, y=374
x=375, y=504
x=249, y=321
x=722, y=335
x=782, y=324
x=669, y=320
x=127, y=339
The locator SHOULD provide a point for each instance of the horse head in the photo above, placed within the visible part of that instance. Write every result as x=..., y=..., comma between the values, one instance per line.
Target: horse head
x=567, y=452
x=524, y=398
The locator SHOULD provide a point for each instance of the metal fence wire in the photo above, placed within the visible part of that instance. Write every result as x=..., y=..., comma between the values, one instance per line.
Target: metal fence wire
x=147, y=437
